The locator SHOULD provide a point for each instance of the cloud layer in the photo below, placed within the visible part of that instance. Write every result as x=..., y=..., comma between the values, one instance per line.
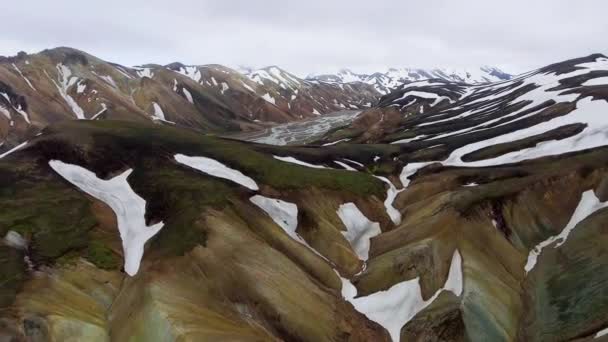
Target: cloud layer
x=313, y=35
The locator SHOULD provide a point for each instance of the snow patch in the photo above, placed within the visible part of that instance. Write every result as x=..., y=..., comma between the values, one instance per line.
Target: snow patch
x=285, y=214
x=224, y=87
x=66, y=80
x=80, y=87
x=409, y=170
x=130, y=208
x=158, y=111
x=5, y=112
x=601, y=333
x=588, y=204
x=391, y=194
x=144, y=72
x=393, y=308
x=596, y=81
x=15, y=240
x=188, y=95
x=192, y=72
x=359, y=229
x=269, y=98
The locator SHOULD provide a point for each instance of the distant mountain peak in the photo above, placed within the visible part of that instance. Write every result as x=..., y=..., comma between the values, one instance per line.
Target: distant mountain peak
x=393, y=77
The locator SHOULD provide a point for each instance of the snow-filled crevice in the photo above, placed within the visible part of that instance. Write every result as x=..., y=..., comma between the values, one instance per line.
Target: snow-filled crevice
x=214, y=168
x=130, y=208
x=588, y=204
x=393, y=308
x=359, y=229
x=66, y=80
x=285, y=215
x=391, y=194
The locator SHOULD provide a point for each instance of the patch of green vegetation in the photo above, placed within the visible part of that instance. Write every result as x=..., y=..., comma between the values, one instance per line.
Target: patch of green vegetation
x=180, y=233
x=68, y=259
x=174, y=192
x=102, y=256
x=127, y=142
x=568, y=284
x=342, y=132
x=53, y=216
x=381, y=169
x=400, y=136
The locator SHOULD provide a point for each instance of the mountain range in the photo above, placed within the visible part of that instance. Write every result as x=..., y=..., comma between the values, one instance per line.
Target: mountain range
x=65, y=83
x=447, y=211
x=385, y=82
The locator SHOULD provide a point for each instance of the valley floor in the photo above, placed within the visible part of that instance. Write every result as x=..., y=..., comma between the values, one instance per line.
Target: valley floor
x=300, y=132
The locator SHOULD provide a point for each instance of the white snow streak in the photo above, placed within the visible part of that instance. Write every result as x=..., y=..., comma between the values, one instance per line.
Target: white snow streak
x=144, y=72
x=214, y=168
x=103, y=109
x=588, y=204
x=80, y=87
x=336, y=142
x=109, y=80
x=601, y=333
x=409, y=170
x=66, y=80
x=192, y=72
x=299, y=162
x=158, y=112
x=391, y=194
x=593, y=113
x=23, y=76
x=269, y=98
x=5, y=112
x=285, y=214
x=188, y=95
x=359, y=229
x=345, y=166
x=13, y=150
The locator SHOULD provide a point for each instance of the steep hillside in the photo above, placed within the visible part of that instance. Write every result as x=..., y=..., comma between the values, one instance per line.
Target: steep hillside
x=63, y=83
x=560, y=104
x=385, y=82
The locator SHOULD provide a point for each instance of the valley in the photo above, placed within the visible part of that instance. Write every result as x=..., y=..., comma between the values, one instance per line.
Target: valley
x=196, y=203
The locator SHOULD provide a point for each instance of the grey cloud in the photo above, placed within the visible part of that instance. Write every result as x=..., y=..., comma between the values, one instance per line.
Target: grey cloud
x=314, y=35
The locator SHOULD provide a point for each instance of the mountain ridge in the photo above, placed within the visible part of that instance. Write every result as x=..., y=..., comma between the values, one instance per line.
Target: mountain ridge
x=392, y=78
x=66, y=83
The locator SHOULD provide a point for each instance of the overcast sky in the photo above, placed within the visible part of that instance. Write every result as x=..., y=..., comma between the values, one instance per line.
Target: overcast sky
x=313, y=35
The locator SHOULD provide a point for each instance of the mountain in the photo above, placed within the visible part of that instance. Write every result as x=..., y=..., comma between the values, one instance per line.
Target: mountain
x=385, y=82
x=448, y=212
x=64, y=83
